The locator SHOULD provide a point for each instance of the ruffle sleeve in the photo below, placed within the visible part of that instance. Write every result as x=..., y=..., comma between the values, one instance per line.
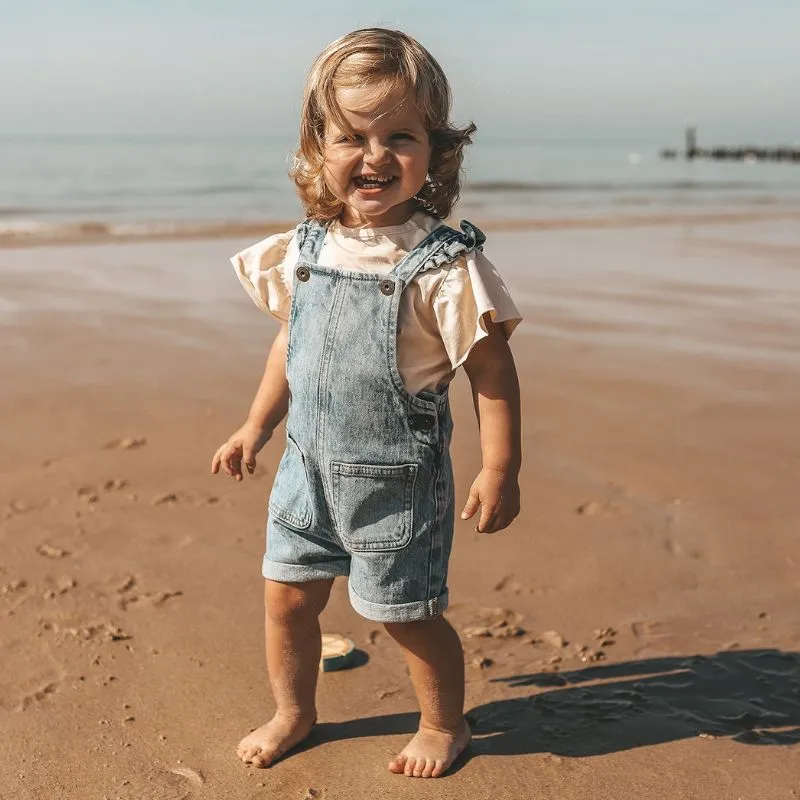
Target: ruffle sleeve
x=265, y=270
x=471, y=289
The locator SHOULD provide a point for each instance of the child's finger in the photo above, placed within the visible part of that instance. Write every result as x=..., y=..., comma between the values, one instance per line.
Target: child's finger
x=472, y=505
x=488, y=514
x=249, y=459
x=228, y=462
x=215, y=463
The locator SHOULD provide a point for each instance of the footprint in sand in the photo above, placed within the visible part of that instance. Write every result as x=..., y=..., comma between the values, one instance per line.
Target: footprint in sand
x=37, y=696
x=596, y=508
x=126, y=443
x=105, y=631
x=194, y=776
x=128, y=582
x=589, y=655
x=91, y=494
x=498, y=630
x=508, y=584
x=605, y=637
x=554, y=639
x=87, y=494
x=676, y=548
x=155, y=599
x=17, y=507
x=49, y=551
x=167, y=499
x=63, y=585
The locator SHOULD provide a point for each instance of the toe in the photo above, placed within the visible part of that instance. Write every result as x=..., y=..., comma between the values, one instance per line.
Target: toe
x=262, y=760
x=419, y=768
x=397, y=765
x=247, y=753
x=429, y=766
x=409, y=770
x=438, y=769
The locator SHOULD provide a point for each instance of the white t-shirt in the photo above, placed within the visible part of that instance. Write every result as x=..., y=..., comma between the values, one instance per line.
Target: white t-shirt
x=441, y=310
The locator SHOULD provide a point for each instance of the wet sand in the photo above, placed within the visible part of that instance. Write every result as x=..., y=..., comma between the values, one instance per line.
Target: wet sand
x=635, y=634
x=78, y=233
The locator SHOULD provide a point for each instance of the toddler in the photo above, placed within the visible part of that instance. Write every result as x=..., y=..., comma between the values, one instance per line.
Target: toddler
x=379, y=302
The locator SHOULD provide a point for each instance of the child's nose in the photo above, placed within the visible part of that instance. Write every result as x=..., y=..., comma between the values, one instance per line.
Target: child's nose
x=376, y=153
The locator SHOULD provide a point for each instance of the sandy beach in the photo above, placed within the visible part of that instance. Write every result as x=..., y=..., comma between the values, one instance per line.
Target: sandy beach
x=635, y=634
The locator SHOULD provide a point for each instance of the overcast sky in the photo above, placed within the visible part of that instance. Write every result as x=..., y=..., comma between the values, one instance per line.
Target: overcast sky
x=535, y=68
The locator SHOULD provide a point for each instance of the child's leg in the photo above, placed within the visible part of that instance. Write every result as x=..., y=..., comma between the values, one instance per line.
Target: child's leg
x=293, y=651
x=436, y=662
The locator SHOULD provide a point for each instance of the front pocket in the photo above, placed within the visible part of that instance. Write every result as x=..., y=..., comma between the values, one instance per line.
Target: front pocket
x=374, y=505
x=290, y=501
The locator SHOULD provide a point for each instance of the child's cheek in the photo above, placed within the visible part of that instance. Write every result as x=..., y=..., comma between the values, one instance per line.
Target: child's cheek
x=331, y=182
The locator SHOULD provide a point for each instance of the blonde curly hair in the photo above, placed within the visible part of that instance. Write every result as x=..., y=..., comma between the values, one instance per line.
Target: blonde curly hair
x=395, y=65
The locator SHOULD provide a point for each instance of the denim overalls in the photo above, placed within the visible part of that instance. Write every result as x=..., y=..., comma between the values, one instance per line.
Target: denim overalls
x=365, y=486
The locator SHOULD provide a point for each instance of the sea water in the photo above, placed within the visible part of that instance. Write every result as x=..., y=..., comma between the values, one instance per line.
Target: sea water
x=135, y=186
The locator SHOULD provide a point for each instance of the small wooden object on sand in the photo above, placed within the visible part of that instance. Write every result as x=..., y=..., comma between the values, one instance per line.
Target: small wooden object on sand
x=337, y=652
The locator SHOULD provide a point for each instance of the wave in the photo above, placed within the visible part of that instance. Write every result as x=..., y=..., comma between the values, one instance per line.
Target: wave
x=22, y=233
x=15, y=211
x=22, y=211
x=30, y=233
x=128, y=198
x=652, y=186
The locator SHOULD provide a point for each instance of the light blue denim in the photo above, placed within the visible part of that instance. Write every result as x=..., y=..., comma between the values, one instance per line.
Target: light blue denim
x=365, y=486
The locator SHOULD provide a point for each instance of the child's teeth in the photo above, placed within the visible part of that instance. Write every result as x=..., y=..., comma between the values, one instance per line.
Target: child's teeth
x=373, y=182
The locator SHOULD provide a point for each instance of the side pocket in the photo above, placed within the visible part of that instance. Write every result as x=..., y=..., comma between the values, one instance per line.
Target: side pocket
x=374, y=505
x=289, y=501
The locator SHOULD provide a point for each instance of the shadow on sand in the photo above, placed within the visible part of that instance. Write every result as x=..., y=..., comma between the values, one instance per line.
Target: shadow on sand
x=751, y=696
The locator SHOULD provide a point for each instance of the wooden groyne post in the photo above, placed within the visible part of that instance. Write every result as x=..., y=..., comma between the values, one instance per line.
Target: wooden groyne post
x=746, y=153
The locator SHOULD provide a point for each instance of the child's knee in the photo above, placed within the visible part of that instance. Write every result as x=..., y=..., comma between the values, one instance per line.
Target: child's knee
x=292, y=603
x=402, y=631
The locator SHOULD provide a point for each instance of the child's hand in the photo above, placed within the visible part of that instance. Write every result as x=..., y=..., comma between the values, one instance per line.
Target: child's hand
x=497, y=493
x=243, y=445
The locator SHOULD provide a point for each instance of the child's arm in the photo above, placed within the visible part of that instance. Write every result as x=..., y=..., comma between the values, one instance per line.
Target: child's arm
x=495, y=390
x=269, y=407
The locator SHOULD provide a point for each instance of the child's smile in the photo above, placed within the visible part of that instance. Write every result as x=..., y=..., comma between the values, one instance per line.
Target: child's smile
x=370, y=184
x=378, y=166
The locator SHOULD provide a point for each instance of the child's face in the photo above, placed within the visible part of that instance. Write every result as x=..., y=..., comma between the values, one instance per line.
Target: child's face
x=376, y=169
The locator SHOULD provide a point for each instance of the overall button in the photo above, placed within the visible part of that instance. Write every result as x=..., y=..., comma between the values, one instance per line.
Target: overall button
x=422, y=422
x=387, y=287
x=303, y=274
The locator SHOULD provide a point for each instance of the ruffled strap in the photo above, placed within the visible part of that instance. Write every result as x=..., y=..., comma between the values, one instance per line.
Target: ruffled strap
x=441, y=246
x=473, y=235
x=310, y=236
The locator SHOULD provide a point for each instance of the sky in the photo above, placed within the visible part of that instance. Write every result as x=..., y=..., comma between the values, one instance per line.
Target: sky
x=562, y=68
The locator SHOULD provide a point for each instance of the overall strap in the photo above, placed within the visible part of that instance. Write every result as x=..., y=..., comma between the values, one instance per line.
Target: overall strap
x=310, y=236
x=441, y=246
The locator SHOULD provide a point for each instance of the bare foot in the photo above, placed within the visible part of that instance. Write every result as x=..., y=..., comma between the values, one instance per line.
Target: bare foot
x=265, y=745
x=431, y=752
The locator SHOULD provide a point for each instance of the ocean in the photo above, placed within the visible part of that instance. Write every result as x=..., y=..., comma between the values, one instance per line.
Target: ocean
x=84, y=186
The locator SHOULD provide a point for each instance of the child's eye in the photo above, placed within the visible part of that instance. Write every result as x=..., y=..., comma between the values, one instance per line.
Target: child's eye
x=349, y=139
x=403, y=137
